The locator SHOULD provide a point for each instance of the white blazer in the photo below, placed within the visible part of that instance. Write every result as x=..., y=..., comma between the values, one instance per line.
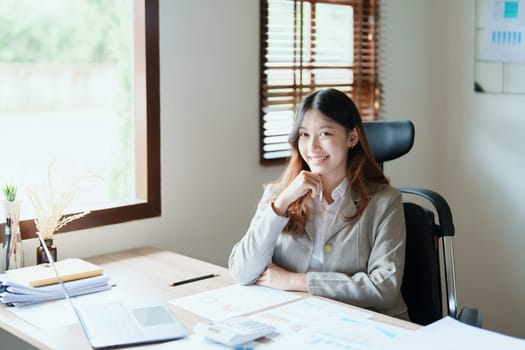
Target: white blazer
x=363, y=258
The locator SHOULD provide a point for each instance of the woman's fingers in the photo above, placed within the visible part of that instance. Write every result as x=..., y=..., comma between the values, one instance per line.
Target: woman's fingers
x=313, y=182
x=305, y=182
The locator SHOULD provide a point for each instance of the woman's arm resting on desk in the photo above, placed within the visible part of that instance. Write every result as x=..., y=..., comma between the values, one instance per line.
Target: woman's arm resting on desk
x=253, y=253
x=276, y=277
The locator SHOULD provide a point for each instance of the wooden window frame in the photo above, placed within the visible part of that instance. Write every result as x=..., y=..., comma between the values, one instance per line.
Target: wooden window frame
x=365, y=90
x=151, y=205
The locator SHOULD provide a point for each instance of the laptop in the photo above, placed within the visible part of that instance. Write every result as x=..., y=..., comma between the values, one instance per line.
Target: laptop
x=117, y=324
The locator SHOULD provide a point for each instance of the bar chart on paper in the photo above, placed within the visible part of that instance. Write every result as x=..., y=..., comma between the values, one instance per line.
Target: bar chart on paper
x=350, y=334
x=316, y=324
x=504, y=31
x=499, y=57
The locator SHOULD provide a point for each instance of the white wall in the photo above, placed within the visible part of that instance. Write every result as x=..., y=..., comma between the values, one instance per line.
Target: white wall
x=211, y=176
x=467, y=145
x=483, y=176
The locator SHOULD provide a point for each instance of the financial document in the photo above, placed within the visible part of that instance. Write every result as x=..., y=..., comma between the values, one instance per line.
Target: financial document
x=451, y=334
x=231, y=301
x=310, y=323
x=313, y=323
x=62, y=315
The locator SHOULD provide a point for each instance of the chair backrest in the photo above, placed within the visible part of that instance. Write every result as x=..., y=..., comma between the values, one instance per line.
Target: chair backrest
x=421, y=286
x=389, y=139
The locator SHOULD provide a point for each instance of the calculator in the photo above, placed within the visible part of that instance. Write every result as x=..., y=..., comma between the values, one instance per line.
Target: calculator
x=234, y=331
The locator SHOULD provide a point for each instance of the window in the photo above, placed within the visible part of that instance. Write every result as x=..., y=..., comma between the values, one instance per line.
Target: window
x=80, y=96
x=311, y=44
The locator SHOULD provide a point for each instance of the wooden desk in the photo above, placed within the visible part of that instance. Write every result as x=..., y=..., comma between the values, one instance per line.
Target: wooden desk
x=147, y=273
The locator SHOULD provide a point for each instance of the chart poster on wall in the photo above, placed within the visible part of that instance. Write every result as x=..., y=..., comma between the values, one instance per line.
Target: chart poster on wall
x=504, y=35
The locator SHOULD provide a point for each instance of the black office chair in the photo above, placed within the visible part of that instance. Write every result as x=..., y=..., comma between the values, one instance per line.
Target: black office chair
x=426, y=239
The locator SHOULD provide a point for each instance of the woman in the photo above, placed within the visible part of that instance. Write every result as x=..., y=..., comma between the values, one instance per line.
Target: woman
x=332, y=225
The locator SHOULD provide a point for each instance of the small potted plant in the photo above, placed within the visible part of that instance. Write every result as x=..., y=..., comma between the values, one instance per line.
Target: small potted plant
x=10, y=192
x=11, y=205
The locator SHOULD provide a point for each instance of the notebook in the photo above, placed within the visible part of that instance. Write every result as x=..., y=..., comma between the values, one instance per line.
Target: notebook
x=43, y=275
x=116, y=324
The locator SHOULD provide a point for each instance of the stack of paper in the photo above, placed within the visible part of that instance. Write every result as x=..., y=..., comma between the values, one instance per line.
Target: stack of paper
x=36, y=284
x=20, y=295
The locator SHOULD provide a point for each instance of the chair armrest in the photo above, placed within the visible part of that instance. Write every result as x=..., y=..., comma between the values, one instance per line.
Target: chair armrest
x=470, y=316
x=440, y=205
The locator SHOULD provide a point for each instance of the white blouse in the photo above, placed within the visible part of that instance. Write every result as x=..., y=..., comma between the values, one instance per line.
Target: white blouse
x=323, y=215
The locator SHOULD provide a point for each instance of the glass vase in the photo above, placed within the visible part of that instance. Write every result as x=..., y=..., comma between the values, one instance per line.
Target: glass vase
x=12, y=244
x=41, y=257
x=4, y=251
x=16, y=253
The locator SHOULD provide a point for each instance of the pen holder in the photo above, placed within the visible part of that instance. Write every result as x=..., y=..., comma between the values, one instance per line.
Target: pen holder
x=41, y=257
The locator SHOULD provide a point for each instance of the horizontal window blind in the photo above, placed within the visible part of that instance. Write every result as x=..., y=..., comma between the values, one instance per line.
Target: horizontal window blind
x=307, y=45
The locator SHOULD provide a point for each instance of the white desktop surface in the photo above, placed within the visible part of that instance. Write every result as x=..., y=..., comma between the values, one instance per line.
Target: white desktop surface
x=143, y=273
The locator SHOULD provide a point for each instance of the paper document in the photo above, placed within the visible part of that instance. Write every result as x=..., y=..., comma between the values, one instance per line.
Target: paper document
x=233, y=301
x=311, y=323
x=38, y=314
x=318, y=324
x=197, y=342
x=62, y=314
x=503, y=37
x=451, y=334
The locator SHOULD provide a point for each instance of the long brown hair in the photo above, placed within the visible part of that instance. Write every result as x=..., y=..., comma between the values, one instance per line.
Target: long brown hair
x=362, y=170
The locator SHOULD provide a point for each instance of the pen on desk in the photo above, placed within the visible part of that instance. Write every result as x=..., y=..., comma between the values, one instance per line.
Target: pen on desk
x=194, y=279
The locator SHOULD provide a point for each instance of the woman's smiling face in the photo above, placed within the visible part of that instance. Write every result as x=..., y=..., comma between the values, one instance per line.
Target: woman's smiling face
x=324, y=144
